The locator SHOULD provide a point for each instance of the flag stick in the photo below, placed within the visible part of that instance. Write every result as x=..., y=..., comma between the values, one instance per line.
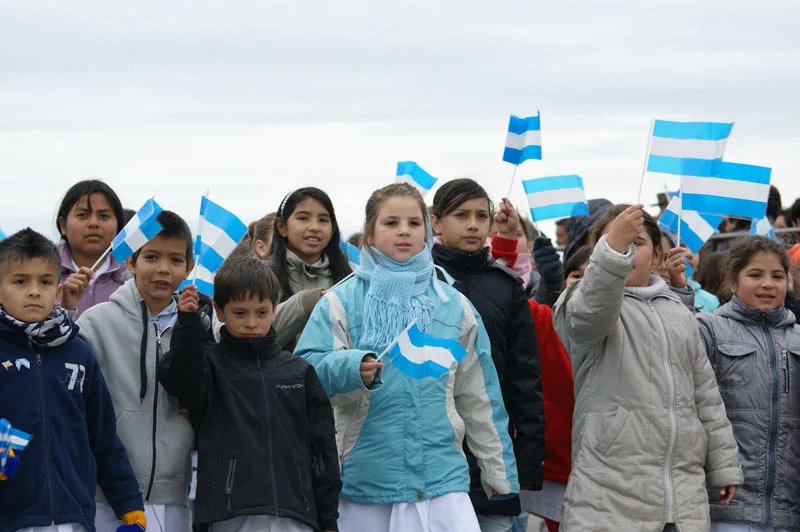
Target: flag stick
x=199, y=237
x=680, y=214
x=646, y=157
x=101, y=259
x=395, y=340
x=513, y=178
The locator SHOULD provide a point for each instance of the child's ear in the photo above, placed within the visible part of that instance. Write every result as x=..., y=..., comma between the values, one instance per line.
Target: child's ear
x=218, y=312
x=189, y=268
x=131, y=265
x=436, y=226
x=282, y=230
x=62, y=226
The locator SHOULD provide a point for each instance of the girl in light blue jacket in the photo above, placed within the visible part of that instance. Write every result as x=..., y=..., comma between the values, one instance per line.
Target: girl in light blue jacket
x=400, y=438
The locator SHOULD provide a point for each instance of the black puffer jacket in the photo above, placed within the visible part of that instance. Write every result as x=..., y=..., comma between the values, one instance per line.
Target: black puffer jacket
x=266, y=441
x=499, y=297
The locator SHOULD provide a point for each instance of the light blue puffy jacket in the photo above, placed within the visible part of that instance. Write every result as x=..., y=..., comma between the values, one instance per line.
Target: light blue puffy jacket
x=401, y=440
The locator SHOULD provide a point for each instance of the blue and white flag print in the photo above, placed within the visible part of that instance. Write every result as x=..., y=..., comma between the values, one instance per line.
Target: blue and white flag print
x=137, y=232
x=11, y=438
x=687, y=148
x=2, y=235
x=353, y=254
x=421, y=355
x=413, y=174
x=762, y=227
x=695, y=228
x=524, y=139
x=556, y=197
x=220, y=233
x=738, y=190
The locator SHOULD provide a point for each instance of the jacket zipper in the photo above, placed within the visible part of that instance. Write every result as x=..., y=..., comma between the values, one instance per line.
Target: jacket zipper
x=45, y=438
x=302, y=486
x=269, y=436
x=155, y=421
x=773, y=427
x=785, y=361
x=673, y=422
x=230, y=479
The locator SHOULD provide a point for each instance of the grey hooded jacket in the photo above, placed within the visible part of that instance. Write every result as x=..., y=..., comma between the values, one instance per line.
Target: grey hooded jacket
x=649, y=428
x=756, y=357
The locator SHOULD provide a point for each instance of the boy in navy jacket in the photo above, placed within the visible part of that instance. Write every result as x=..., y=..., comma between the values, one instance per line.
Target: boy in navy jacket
x=51, y=387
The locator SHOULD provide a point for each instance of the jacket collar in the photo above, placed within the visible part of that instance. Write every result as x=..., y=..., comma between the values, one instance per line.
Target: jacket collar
x=296, y=265
x=657, y=288
x=250, y=347
x=456, y=261
x=736, y=309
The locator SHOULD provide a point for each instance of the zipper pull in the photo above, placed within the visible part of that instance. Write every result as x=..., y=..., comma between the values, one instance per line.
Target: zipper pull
x=785, y=369
x=38, y=359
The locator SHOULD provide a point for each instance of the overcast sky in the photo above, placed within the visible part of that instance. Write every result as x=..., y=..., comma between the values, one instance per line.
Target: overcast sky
x=254, y=98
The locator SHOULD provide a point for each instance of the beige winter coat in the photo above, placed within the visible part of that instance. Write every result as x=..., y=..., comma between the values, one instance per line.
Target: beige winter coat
x=649, y=427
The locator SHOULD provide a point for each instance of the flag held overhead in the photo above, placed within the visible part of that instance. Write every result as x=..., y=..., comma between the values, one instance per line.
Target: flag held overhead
x=738, y=190
x=694, y=228
x=687, y=148
x=524, y=139
x=137, y=232
x=556, y=197
x=413, y=174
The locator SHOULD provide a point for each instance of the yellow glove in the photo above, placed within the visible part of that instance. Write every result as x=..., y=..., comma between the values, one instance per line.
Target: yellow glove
x=135, y=518
x=11, y=465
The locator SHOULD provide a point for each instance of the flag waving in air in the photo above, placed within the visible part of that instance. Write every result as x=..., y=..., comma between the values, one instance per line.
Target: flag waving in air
x=413, y=174
x=524, y=139
x=219, y=233
x=738, y=190
x=556, y=197
x=687, y=148
x=694, y=228
x=137, y=232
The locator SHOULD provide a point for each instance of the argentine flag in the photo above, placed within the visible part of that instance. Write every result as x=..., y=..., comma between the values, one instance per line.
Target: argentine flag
x=738, y=190
x=353, y=254
x=137, y=232
x=695, y=228
x=524, y=139
x=558, y=196
x=421, y=355
x=220, y=232
x=10, y=438
x=687, y=148
x=2, y=235
x=762, y=227
x=413, y=174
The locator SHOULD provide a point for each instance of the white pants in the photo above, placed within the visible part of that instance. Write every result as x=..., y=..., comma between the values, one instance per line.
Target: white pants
x=54, y=528
x=449, y=513
x=744, y=527
x=160, y=518
x=259, y=523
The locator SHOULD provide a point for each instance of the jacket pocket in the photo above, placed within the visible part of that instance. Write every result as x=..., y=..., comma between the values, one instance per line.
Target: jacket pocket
x=229, y=480
x=789, y=364
x=613, y=430
x=736, y=365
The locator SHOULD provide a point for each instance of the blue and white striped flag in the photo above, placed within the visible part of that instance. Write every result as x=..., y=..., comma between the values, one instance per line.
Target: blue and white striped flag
x=687, y=148
x=11, y=438
x=762, y=227
x=137, y=232
x=695, y=228
x=2, y=235
x=738, y=190
x=421, y=355
x=524, y=139
x=353, y=253
x=413, y=174
x=556, y=197
x=220, y=233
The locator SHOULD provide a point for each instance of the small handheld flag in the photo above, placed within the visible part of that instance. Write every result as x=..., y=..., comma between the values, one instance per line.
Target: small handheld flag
x=10, y=438
x=136, y=233
x=691, y=227
x=413, y=174
x=556, y=197
x=2, y=235
x=220, y=232
x=687, y=148
x=421, y=355
x=762, y=227
x=524, y=139
x=738, y=190
x=353, y=254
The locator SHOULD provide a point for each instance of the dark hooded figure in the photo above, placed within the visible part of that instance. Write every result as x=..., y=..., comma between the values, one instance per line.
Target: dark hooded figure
x=581, y=225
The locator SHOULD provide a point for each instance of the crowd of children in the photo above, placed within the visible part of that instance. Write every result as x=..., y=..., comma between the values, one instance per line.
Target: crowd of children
x=600, y=389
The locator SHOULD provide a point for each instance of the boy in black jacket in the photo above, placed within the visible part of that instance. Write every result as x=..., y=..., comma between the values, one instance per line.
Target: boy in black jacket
x=267, y=458
x=51, y=387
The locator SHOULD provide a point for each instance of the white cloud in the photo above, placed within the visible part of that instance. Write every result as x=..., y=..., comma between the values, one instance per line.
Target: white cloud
x=253, y=98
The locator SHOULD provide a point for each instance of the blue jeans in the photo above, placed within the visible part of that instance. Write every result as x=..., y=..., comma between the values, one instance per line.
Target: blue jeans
x=501, y=523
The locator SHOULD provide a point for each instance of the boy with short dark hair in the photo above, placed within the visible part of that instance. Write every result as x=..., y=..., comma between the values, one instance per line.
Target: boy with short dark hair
x=129, y=334
x=267, y=458
x=51, y=387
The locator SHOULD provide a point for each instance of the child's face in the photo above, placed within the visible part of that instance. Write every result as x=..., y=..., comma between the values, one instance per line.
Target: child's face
x=647, y=258
x=399, y=229
x=247, y=318
x=762, y=284
x=89, y=231
x=308, y=230
x=159, y=269
x=467, y=227
x=576, y=275
x=29, y=289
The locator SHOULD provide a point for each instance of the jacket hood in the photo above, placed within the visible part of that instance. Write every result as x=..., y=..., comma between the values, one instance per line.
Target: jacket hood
x=736, y=309
x=250, y=347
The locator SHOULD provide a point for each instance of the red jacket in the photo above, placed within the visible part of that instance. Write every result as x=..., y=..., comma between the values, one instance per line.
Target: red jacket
x=557, y=384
